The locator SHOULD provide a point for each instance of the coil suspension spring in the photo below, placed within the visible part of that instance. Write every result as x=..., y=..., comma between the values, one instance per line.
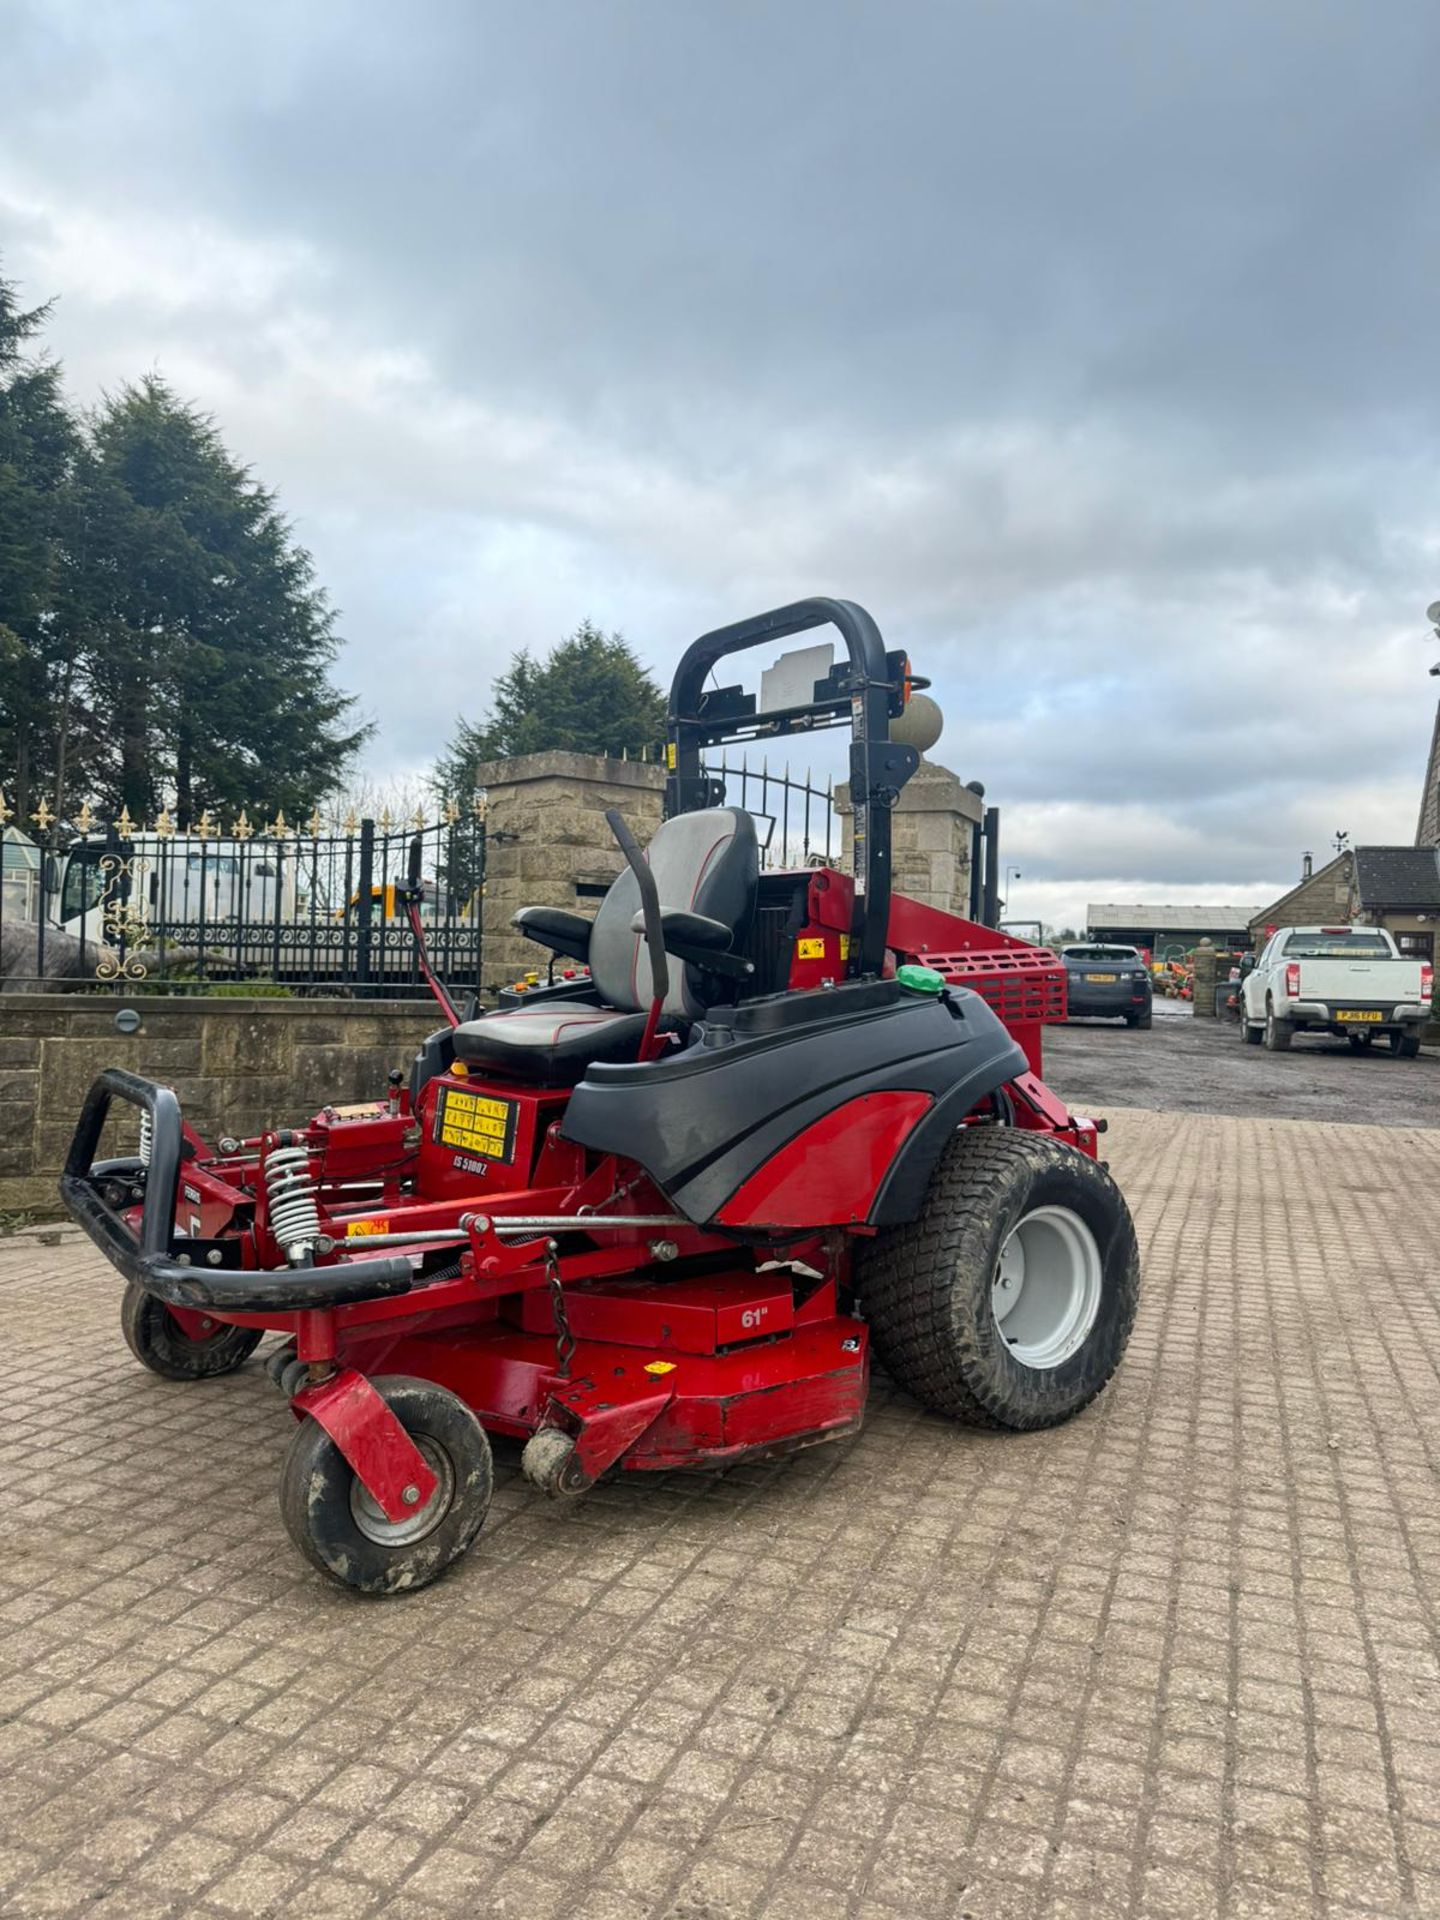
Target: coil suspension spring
x=294, y=1211
x=147, y=1137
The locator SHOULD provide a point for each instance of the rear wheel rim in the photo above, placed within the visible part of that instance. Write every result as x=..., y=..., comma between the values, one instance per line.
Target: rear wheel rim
x=369, y=1515
x=1047, y=1287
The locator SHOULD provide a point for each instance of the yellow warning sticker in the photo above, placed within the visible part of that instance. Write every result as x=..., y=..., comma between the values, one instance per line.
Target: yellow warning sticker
x=660, y=1366
x=476, y=1123
x=811, y=949
x=844, y=946
x=670, y=755
x=355, y=1229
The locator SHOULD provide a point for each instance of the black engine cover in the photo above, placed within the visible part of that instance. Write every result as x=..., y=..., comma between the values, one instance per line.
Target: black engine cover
x=703, y=1120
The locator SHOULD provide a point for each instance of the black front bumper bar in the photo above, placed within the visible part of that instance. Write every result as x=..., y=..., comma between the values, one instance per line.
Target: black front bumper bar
x=151, y=1262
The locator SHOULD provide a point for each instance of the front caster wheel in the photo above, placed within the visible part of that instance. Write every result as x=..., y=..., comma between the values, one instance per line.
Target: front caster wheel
x=1009, y=1301
x=196, y=1349
x=341, y=1530
x=549, y=1463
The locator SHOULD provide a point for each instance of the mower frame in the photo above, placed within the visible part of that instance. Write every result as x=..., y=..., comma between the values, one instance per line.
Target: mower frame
x=614, y=1309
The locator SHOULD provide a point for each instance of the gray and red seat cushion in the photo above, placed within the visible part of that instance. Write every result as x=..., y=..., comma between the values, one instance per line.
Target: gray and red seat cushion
x=706, y=863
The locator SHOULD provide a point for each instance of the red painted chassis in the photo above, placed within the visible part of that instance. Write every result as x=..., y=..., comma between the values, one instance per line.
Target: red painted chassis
x=656, y=1345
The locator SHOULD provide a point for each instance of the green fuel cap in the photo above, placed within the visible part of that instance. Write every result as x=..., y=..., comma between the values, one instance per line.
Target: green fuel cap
x=921, y=979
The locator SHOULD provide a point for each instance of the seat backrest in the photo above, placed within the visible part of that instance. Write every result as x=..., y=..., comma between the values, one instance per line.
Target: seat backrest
x=706, y=863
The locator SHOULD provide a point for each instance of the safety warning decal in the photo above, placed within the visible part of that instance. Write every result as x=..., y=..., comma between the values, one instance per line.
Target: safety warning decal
x=476, y=1123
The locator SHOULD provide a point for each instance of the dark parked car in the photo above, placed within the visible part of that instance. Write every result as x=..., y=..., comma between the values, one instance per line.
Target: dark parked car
x=1108, y=983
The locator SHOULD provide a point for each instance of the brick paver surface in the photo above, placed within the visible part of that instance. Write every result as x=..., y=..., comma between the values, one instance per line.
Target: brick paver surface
x=1177, y=1658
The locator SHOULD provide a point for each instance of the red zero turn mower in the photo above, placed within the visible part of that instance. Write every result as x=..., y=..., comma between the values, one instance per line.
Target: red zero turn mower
x=653, y=1215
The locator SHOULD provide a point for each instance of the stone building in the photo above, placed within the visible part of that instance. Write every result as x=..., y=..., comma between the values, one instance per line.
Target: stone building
x=1427, y=828
x=1393, y=887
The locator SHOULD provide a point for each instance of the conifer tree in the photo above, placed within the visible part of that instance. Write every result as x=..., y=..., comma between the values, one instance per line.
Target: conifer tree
x=591, y=695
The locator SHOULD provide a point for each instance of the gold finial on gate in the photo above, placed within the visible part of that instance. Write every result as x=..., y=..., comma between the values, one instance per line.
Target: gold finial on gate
x=43, y=817
x=477, y=806
x=242, y=828
x=452, y=812
x=386, y=821
x=205, y=827
x=164, y=825
x=350, y=824
x=277, y=828
x=125, y=826
x=85, y=819
x=312, y=825
x=417, y=819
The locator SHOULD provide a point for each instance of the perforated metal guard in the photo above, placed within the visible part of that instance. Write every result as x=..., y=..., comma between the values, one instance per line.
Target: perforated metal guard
x=1018, y=983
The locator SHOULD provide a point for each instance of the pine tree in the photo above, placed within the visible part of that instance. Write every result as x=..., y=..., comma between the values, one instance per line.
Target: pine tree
x=38, y=442
x=212, y=644
x=591, y=695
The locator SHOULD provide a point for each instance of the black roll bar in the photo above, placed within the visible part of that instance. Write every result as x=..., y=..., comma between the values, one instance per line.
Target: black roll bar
x=149, y=1260
x=878, y=767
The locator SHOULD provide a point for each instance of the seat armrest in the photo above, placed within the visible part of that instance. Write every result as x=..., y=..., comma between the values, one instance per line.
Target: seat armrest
x=701, y=942
x=691, y=928
x=557, y=929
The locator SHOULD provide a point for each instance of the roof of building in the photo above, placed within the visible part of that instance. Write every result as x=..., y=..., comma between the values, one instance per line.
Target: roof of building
x=1397, y=876
x=1225, y=917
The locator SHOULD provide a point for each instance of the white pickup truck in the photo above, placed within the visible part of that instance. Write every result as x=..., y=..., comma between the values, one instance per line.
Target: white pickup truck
x=1342, y=980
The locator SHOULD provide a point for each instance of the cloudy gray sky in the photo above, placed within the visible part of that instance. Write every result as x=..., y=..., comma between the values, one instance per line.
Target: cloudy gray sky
x=1092, y=345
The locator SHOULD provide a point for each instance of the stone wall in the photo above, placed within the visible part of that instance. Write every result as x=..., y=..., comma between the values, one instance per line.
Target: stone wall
x=548, y=843
x=931, y=831
x=237, y=1065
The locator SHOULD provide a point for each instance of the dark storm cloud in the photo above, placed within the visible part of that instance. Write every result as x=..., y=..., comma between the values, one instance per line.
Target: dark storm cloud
x=1093, y=346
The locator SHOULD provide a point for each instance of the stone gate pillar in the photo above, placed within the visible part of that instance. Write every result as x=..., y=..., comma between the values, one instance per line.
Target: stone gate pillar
x=931, y=834
x=547, y=843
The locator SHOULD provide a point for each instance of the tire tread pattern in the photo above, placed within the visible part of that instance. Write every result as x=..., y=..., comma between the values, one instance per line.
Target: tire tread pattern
x=925, y=1286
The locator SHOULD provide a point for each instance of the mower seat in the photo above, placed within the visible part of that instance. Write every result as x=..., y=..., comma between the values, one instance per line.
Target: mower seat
x=705, y=863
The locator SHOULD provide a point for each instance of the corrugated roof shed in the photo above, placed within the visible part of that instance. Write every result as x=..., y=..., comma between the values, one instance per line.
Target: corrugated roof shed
x=1397, y=877
x=1224, y=917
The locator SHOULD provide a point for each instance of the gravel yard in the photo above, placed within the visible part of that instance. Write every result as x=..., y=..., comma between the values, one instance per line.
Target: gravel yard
x=1185, y=1065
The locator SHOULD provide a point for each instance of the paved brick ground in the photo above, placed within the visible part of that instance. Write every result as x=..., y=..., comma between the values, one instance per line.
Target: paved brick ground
x=1178, y=1658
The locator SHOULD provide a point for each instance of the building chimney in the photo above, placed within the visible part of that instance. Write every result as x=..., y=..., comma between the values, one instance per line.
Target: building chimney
x=1308, y=866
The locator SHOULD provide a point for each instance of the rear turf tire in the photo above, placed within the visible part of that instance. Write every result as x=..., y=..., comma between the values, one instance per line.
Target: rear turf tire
x=159, y=1342
x=931, y=1290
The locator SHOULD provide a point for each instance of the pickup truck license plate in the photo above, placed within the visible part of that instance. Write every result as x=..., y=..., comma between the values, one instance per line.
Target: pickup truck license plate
x=1358, y=1013
x=1101, y=979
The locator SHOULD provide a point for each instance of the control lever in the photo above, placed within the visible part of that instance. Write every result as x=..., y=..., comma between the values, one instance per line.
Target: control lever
x=654, y=931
